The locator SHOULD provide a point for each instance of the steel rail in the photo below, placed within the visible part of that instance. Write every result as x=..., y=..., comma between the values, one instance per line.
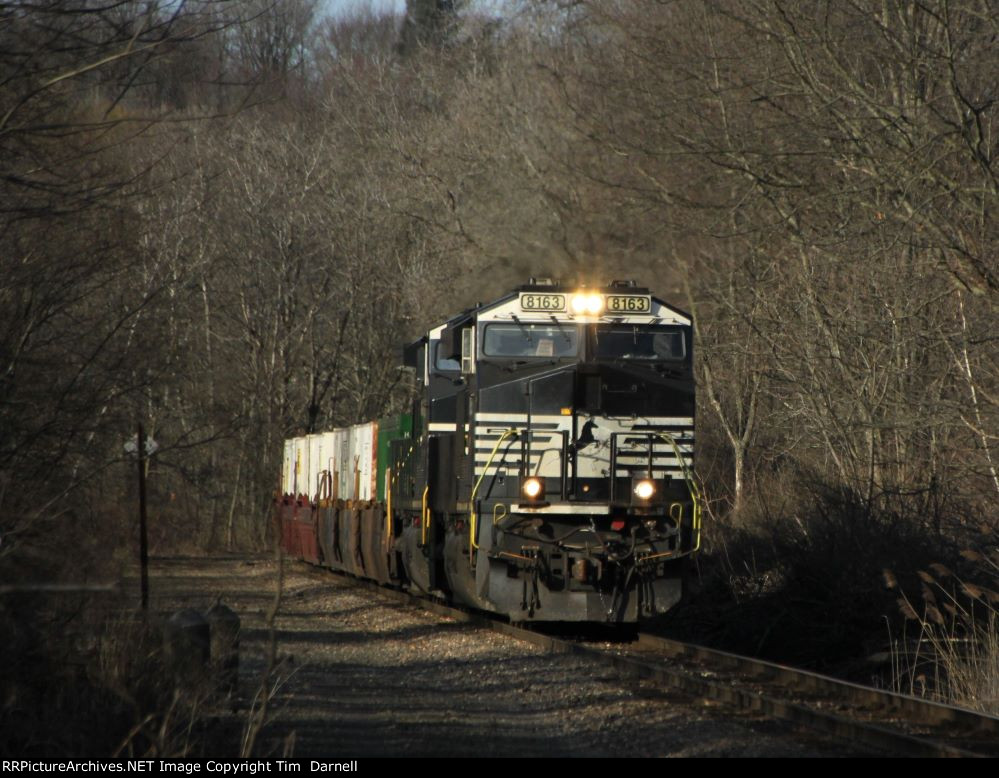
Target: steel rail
x=881, y=720
x=914, y=709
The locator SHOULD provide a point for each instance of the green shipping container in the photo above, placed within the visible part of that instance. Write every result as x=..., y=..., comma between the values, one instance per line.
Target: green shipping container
x=389, y=429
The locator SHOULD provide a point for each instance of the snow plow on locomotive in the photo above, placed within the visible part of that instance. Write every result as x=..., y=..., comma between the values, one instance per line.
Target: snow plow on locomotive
x=545, y=471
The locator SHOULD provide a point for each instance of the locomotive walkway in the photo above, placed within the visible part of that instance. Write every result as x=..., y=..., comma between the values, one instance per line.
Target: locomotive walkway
x=363, y=676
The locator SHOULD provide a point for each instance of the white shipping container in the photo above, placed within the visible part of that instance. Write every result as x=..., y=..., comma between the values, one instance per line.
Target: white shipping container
x=301, y=481
x=365, y=460
x=349, y=454
x=356, y=465
x=354, y=449
x=333, y=462
x=341, y=456
x=288, y=467
x=315, y=465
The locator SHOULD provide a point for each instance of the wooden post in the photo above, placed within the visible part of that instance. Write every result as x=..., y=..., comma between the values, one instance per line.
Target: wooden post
x=143, y=541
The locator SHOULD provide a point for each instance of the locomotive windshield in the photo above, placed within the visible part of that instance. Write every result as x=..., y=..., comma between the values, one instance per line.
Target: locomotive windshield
x=622, y=341
x=530, y=340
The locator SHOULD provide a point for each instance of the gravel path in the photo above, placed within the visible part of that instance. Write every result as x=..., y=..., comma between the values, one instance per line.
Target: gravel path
x=364, y=677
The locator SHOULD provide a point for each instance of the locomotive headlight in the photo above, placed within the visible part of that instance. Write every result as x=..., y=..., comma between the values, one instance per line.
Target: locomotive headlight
x=587, y=304
x=644, y=489
x=533, y=488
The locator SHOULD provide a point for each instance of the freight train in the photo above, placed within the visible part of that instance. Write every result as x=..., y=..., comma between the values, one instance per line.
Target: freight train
x=544, y=470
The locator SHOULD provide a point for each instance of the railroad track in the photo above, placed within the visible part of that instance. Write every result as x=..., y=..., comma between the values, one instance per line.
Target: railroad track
x=896, y=724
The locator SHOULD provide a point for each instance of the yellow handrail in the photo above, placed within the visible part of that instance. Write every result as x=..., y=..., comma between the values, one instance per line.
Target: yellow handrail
x=388, y=504
x=695, y=493
x=473, y=518
x=424, y=514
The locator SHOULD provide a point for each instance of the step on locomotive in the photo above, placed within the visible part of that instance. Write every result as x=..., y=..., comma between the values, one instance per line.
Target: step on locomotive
x=544, y=471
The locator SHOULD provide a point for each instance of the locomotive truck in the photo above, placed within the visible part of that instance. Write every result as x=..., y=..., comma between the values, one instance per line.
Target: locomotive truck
x=544, y=470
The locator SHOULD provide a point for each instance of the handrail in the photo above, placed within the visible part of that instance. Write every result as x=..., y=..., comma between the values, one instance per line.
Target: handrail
x=695, y=492
x=388, y=505
x=473, y=517
x=424, y=517
x=325, y=480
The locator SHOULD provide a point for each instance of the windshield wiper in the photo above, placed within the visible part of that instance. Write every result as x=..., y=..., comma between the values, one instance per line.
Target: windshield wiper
x=527, y=332
x=558, y=326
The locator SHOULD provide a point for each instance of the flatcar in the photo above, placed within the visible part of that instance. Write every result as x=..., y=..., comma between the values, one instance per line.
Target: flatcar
x=544, y=470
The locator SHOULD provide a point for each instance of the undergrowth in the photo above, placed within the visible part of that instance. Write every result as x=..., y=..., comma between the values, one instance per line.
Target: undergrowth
x=953, y=656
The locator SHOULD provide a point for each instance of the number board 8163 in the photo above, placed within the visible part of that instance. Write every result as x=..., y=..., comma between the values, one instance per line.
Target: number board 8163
x=629, y=303
x=542, y=302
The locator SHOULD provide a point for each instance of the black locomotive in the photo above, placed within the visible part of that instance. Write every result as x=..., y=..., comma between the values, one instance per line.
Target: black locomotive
x=545, y=472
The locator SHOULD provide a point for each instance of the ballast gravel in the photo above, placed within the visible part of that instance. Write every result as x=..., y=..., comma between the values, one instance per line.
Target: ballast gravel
x=359, y=676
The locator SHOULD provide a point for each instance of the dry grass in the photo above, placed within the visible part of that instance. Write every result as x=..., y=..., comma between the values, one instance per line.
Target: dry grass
x=92, y=680
x=169, y=712
x=955, y=656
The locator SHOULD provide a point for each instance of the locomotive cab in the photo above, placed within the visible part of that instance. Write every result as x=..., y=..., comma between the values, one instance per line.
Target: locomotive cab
x=554, y=455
